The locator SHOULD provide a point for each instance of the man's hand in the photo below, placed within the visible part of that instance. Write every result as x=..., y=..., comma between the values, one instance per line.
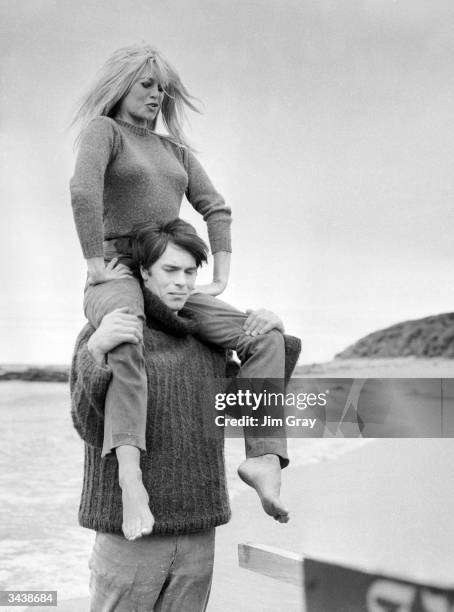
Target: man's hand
x=215, y=288
x=100, y=273
x=261, y=321
x=116, y=327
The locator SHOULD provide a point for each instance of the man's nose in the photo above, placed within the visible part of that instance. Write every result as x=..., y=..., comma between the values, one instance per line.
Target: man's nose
x=180, y=280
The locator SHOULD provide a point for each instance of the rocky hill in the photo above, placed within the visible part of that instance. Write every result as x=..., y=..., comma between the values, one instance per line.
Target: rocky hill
x=428, y=337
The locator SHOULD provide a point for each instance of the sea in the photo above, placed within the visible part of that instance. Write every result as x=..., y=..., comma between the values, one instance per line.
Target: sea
x=42, y=547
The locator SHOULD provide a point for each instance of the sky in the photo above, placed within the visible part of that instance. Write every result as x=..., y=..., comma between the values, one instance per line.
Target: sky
x=328, y=127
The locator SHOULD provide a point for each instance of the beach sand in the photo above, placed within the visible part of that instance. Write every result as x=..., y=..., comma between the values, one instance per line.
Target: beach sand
x=385, y=508
x=383, y=505
x=402, y=367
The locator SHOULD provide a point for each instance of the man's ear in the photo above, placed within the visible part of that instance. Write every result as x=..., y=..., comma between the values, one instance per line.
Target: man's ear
x=144, y=273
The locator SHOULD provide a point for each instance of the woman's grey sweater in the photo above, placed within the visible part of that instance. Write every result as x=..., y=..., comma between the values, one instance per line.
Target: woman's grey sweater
x=126, y=175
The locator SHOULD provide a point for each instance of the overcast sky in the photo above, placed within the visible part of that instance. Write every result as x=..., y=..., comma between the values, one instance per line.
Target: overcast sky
x=328, y=126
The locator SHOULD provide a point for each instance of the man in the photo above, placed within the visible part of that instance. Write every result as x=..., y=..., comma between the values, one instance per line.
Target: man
x=183, y=467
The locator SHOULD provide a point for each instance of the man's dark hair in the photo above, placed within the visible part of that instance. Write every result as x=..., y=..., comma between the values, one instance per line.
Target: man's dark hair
x=150, y=240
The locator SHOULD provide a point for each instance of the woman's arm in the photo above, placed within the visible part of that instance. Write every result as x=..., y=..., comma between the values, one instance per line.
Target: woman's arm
x=221, y=270
x=210, y=204
x=97, y=145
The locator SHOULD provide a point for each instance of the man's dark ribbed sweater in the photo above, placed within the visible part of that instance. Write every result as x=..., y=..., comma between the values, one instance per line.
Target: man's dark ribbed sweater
x=183, y=468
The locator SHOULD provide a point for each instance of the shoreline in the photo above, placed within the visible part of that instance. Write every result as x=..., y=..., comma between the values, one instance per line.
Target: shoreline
x=34, y=373
x=392, y=367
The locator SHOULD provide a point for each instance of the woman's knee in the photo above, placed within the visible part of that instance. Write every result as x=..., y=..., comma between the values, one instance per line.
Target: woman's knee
x=273, y=340
x=271, y=343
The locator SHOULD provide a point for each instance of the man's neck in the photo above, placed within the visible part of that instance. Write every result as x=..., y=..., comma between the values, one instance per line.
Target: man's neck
x=159, y=315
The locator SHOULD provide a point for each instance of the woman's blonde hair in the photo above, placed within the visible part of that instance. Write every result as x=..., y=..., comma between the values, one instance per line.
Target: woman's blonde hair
x=115, y=79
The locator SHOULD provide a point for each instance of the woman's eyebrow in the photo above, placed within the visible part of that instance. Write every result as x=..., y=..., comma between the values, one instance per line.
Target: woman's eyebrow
x=152, y=80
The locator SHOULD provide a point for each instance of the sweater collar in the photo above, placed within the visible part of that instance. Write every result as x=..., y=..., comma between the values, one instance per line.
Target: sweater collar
x=140, y=131
x=159, y=316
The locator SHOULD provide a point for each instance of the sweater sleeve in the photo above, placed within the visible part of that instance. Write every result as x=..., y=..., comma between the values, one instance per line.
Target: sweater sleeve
x=97, y=146
x=88, y=387
x=208, y=202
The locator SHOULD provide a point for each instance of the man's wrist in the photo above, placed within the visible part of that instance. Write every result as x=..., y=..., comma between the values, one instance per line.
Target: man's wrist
x=98, y=355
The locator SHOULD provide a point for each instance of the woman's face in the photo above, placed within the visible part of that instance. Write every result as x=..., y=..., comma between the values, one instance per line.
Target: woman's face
x=142, y=103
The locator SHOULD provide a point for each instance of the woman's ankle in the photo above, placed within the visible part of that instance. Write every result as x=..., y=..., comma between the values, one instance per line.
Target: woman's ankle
x=129, y=471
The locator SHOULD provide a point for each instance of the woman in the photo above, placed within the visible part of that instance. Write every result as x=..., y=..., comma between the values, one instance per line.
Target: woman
x=127, y=174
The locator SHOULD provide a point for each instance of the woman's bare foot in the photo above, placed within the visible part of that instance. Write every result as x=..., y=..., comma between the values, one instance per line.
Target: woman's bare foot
x=137, y=518
x=264, y=475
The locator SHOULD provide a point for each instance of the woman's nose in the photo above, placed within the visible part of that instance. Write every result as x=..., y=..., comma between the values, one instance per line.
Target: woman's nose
x=154, y=91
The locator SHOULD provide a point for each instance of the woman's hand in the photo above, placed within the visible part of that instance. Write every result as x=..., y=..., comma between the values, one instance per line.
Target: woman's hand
x=215, y=288
x=116, y=327
x=98, y=272
x=261, y=321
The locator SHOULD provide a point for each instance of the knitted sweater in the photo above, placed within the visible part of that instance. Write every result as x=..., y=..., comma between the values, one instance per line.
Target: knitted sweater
x=183, y=467
x=126, y=175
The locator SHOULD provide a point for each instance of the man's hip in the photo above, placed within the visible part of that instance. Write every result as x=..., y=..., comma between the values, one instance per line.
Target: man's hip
x=166, y=573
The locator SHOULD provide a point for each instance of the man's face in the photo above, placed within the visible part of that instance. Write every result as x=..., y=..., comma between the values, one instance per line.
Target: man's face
x=172, y=277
